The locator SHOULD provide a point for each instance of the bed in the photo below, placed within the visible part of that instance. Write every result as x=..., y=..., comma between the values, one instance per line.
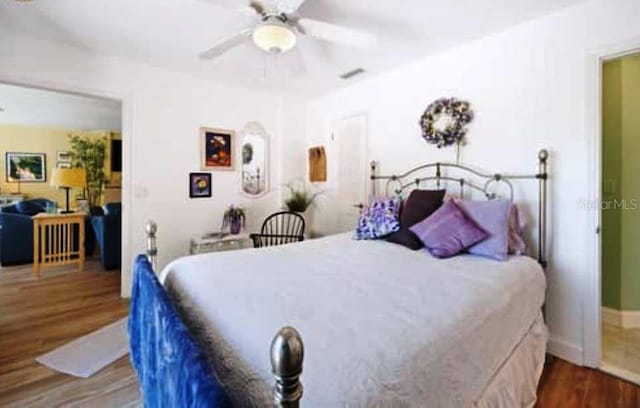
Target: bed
x=382, y=325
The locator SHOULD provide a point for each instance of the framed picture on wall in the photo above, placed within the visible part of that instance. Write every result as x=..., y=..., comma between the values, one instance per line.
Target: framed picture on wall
x=199, y=185
x=64, y=157
x=26, y=167
x=217, y=149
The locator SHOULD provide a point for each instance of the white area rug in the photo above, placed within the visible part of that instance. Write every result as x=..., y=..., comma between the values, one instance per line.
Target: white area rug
x=87, y=355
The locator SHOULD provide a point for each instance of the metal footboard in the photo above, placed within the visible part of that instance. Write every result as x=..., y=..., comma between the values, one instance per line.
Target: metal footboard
x=287, y=348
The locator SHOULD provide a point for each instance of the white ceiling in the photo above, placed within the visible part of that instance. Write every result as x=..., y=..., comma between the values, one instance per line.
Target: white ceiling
x=170, y=33
x=41, y=108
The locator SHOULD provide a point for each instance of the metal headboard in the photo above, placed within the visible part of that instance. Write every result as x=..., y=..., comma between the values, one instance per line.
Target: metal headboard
x=470, y=179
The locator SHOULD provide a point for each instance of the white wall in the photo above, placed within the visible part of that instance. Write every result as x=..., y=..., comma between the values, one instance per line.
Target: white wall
x=162, y=113
x=528, y=86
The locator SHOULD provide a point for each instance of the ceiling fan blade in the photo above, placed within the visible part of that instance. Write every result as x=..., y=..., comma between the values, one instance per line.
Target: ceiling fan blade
x=226, y=44
x=288, y=6
x=243, y=6
x=335, y=33
x=259, y=7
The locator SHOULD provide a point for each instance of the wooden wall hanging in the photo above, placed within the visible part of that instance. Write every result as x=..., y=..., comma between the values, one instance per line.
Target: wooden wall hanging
x=317, y=164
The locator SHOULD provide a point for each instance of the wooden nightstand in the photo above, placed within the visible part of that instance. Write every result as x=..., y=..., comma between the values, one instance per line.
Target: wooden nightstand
x=58, y=239
x=217, y=243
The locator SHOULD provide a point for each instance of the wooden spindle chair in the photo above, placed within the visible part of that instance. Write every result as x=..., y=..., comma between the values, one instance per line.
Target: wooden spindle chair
x=280, y=228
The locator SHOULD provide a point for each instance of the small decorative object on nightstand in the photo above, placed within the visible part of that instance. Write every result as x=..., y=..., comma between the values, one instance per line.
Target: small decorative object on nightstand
x=234, y=218
x=218, y=242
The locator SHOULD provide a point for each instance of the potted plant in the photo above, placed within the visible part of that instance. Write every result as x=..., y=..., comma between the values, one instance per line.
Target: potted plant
x=234, y=218
x=90, y=153
x=300, y=197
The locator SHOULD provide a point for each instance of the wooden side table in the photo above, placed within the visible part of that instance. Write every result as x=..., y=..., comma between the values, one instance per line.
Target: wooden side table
x=58, y=239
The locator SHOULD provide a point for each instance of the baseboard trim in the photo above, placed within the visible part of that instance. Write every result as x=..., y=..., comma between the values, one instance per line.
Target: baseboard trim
x=611, y=316
x=565, y=350
x=627, y=319
x=620, y=373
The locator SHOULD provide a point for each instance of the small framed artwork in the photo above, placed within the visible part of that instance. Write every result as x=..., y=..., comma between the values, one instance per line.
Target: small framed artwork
x=63, y=165
x=199, y=185
x=217, y=147
x=83, y=205
x=26, y=167
x=64, y=157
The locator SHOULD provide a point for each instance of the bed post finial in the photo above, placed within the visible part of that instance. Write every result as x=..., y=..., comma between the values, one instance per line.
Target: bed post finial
x=152, y=250
x=287, y=353
x=543, y=156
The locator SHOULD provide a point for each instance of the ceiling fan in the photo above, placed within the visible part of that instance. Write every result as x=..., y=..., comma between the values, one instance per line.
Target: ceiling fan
x=277, y=25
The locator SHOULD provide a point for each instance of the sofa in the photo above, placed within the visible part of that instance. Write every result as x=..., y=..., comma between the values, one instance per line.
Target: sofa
x=16, y=230
x=108, y=232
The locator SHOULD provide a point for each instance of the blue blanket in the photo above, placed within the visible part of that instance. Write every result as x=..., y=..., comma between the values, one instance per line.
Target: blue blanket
x=173, y=371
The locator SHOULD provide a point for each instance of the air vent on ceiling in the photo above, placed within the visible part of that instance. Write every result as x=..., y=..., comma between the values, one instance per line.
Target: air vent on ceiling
x=351, y=74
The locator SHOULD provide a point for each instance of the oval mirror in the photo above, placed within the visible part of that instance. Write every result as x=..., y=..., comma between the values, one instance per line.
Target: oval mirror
x=255, y=166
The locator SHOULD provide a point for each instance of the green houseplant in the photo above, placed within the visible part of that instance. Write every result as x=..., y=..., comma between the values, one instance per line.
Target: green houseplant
x=89, y=153
x=234, y=218
x=300, y=197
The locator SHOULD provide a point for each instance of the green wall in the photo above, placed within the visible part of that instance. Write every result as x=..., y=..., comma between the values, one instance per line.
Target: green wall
x=630, y=258
x=611, y=174
x=621, y=184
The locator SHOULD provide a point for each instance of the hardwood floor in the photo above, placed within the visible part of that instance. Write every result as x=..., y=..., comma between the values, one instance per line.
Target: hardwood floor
x=37, y=316
x=564, y=385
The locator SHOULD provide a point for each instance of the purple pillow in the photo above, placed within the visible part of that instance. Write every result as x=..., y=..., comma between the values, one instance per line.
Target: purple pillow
x=379, y=219
x=448, y=231
x=419, y=205
x=493, y=217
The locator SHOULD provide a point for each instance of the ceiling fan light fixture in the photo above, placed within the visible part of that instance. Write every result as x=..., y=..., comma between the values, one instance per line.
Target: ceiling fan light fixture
x=274, y=37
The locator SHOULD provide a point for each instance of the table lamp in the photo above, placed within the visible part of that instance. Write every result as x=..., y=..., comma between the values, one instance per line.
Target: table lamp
x=68, y=179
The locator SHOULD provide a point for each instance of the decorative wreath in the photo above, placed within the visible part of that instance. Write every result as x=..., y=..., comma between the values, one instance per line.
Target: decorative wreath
x=444, y=121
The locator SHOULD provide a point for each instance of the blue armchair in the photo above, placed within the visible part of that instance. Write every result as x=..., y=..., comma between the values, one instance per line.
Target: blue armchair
x=108, y=231
x=16, y=231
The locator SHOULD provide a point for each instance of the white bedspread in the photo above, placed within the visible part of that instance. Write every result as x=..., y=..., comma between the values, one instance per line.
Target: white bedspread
x=382, y=325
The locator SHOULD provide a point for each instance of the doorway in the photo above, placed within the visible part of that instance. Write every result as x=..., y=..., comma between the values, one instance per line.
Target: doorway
x=41, y=125
x=620, y=217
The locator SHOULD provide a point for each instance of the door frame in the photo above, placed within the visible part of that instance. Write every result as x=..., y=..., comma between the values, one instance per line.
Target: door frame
x=592, y=299
x=126, y=107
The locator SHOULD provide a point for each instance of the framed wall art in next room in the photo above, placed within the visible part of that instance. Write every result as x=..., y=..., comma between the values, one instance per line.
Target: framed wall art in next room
x=26, y=167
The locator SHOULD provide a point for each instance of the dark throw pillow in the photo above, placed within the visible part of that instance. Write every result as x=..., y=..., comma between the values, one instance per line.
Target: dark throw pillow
x=448, y=231
x=419, y=205
x=29, y=208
